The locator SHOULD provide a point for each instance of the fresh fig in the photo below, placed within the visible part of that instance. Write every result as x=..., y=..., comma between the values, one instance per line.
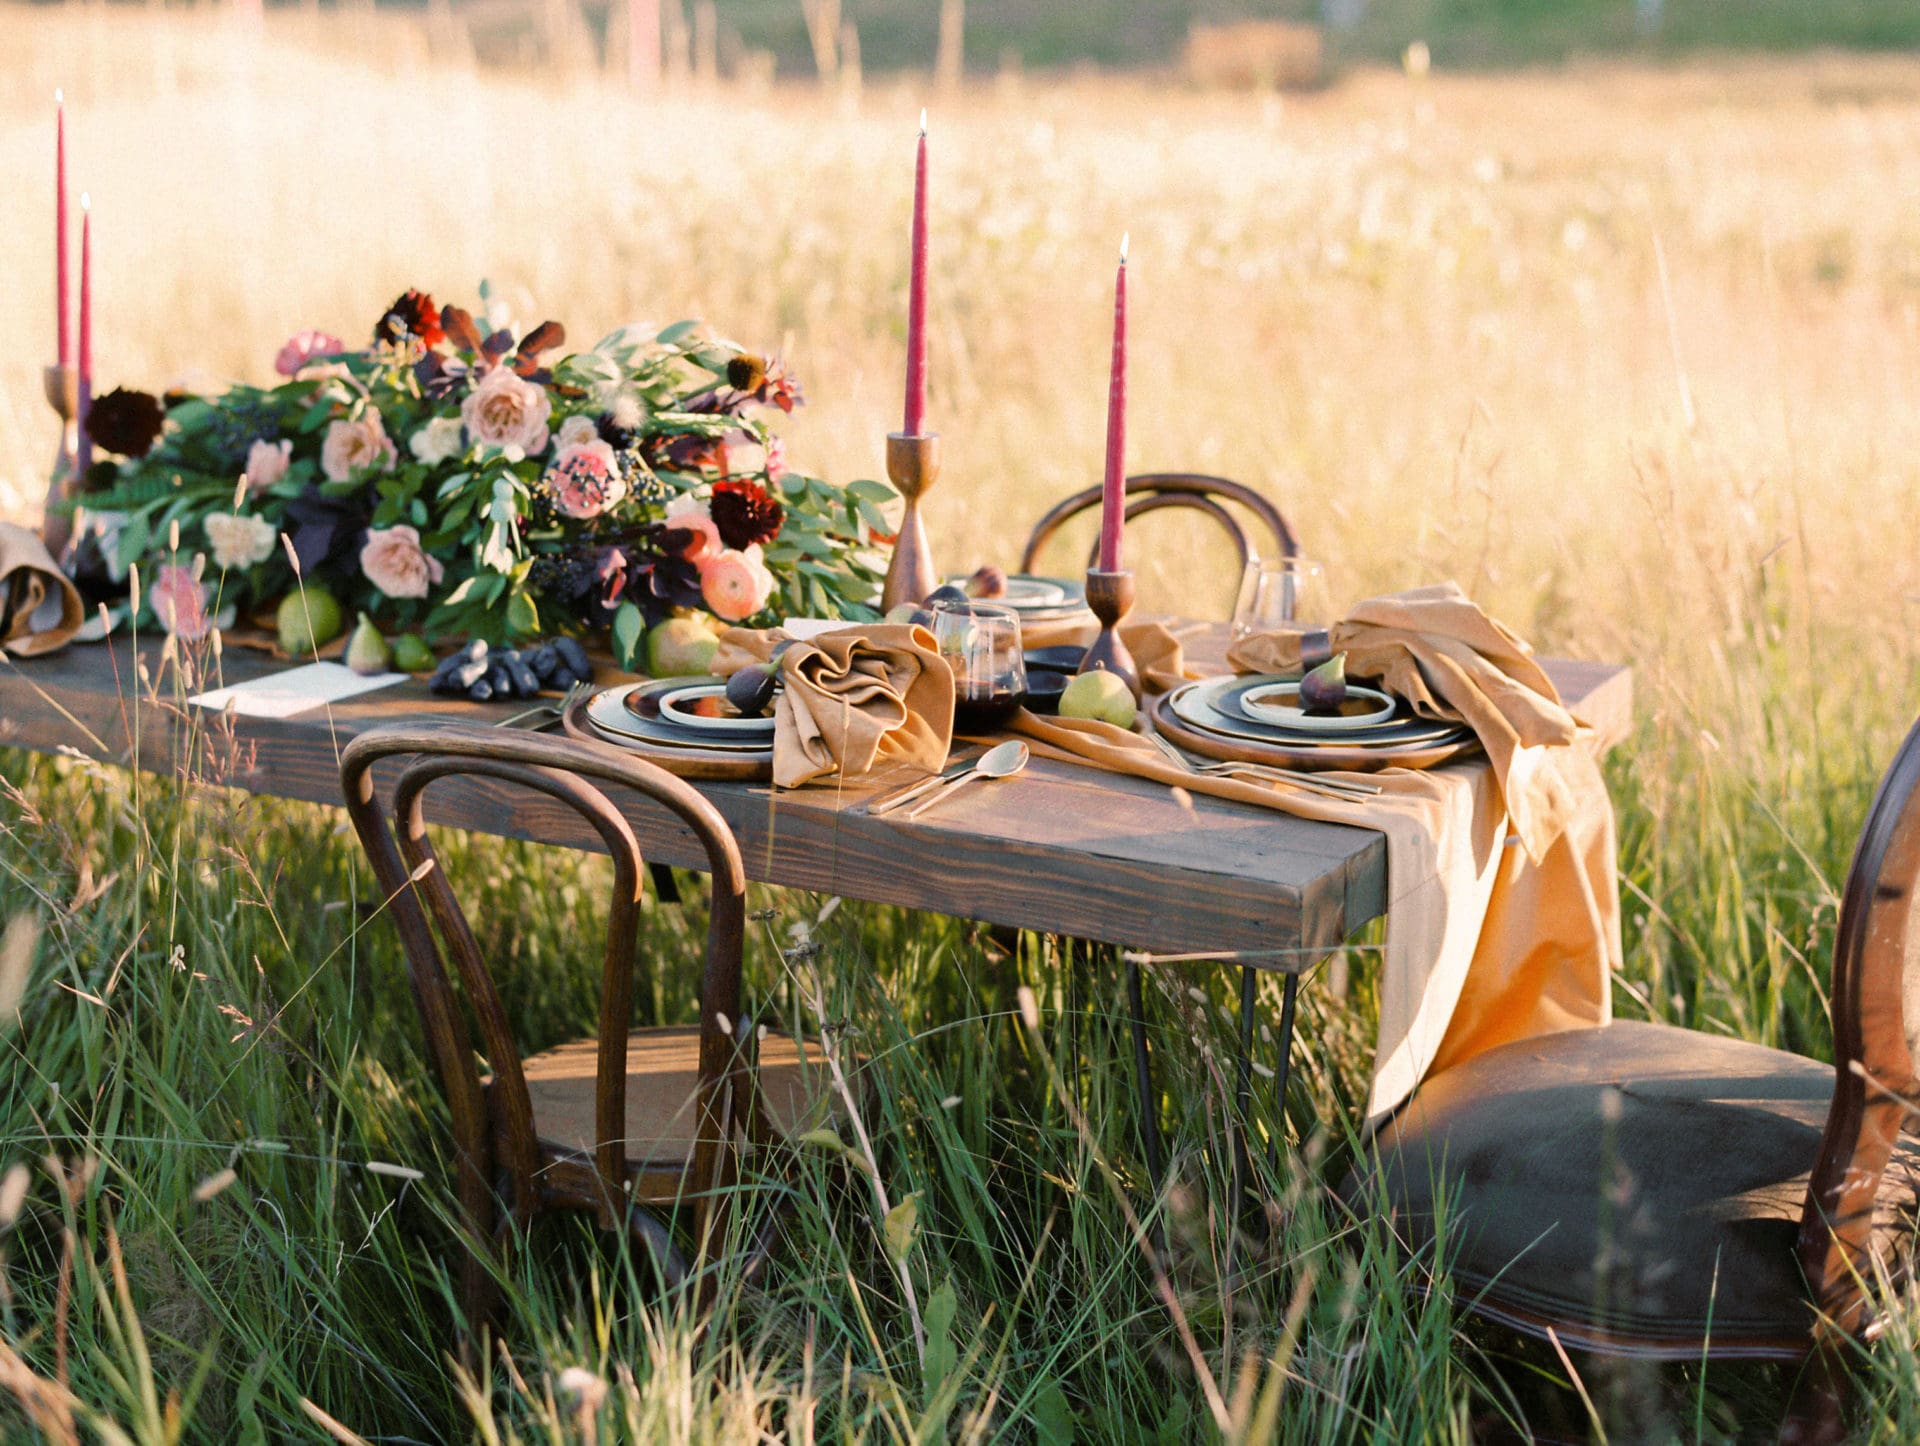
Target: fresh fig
x=988, y=582
x=751, y=689
x=1325, y=688
x=411, y=654
x=945, y=594
x=367, y=652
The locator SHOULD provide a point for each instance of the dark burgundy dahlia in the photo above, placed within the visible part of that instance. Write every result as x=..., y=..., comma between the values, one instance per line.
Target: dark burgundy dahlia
x=126, y=421
x=745, y=513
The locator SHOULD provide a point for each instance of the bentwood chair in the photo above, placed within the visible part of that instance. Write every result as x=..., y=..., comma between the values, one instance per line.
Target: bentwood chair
x=1220, y=499
x=630, y=1123
x=1646, y=1190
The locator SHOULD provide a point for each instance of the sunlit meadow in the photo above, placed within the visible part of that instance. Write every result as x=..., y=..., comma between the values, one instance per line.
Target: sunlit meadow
x=1631, y=353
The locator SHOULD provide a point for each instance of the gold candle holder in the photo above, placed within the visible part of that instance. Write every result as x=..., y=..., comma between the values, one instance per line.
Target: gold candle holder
x=62, y=385
x=913, y=465
x=1110, y=599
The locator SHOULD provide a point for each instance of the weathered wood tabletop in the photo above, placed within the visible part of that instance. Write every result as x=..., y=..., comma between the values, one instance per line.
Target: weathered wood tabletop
x=1061, y=848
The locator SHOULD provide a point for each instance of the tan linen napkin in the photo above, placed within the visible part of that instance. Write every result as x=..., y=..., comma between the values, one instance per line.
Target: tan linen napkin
x=852, y=698
x=30, y=582
x=1435, y=648
x=1156, y=651
x=1487, y=941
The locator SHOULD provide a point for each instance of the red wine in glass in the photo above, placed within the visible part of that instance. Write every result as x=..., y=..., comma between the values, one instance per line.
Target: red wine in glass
x=987, y=710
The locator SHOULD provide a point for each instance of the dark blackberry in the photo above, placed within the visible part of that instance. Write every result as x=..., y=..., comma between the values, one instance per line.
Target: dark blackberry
x=563, y=575
x=234, y=427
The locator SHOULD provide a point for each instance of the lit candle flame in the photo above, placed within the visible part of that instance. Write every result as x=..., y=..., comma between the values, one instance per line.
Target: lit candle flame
x=1125, y=236
x=923, y=120
x=59, y=96
x=86, y=201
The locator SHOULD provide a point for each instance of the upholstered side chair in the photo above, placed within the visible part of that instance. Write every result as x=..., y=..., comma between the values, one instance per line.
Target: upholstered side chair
x=1646, y=1190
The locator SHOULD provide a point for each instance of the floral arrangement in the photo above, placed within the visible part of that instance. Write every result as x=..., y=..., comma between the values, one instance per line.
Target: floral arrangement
x=452, y=479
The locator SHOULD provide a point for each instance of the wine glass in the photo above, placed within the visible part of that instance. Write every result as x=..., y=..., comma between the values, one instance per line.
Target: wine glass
x=981, y=642
x=1280, y=593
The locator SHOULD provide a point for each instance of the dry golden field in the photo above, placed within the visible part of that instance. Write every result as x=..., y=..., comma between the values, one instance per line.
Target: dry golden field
x=1431, y=318
x=1632, y=353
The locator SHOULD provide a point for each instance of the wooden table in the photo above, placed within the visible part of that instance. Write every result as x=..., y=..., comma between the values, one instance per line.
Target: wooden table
x=1061, y=849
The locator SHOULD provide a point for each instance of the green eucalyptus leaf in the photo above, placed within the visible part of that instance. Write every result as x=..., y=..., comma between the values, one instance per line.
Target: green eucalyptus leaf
x=627, y=631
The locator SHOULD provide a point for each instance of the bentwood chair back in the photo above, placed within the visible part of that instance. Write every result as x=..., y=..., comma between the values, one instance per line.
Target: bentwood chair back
x=1647, y=1190
x=630, y=1119
x=1160, y=491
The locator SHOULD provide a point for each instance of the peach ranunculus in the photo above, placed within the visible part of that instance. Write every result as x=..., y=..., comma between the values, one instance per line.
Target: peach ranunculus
x=584, y=481
x=735, y=585
x=508, y=412
x=357, y=445
x=394, y=562
x=302, y=347
x=687, y=513
x=179, y=602
x=267, y=463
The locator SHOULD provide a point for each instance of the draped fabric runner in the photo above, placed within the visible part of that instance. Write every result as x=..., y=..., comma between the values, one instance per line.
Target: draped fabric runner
x=853, y=698
x=39, y=608
x=1503, y=906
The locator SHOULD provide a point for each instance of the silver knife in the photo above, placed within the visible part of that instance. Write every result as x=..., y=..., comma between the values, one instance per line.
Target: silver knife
x=906, y=793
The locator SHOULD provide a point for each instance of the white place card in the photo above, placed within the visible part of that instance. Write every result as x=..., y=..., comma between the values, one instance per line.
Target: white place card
x=297, y=690
x=805, y=630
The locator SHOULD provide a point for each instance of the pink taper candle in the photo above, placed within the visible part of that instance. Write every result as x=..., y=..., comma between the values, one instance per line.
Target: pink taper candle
x=1113, y=497
x=85, y=459
x=914, y=422
x=60, y=226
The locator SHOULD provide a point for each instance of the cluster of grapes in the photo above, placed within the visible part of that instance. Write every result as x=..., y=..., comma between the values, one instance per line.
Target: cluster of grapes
x=481, y=674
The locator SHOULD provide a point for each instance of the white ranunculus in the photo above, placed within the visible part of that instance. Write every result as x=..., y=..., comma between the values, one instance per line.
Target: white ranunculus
x=240, y=540
x=441, y=440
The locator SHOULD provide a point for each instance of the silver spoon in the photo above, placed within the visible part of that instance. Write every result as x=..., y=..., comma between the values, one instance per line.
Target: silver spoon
x=1003, y=760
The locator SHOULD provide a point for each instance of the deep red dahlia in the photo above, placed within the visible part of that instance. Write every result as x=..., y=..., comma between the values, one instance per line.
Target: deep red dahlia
x=744, y=513
x=126, y=421
x=413, y=315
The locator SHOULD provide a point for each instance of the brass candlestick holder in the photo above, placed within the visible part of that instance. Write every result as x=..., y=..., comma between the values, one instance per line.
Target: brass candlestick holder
x=1110, y=599
x=913, y=465
x=62, y=386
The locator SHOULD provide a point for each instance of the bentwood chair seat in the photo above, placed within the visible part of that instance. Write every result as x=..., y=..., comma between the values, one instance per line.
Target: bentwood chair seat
x=663, y=1114
x=619, y=1124
x=1647, y=1190
x=1637, y=1187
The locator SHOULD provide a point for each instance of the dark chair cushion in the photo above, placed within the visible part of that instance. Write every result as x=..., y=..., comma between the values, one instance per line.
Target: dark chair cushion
x=1637, y=1187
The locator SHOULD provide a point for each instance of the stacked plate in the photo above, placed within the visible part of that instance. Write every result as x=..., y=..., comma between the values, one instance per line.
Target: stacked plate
x=684, y=720
x=1261, y=718
x=1039, y=599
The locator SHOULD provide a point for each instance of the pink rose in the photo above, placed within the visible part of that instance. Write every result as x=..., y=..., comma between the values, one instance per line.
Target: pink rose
x=776, y=460
x=735, y=585
x=584, y=481
x=686, y=513
x=179, y=602
x=359, y=445
x=575, y=431
x=505, y=411
x=267, y=463
x=302, y=347
x=395, y=563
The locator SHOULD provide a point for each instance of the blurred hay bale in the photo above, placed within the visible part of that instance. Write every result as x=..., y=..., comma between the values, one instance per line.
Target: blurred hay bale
x=1256, y=55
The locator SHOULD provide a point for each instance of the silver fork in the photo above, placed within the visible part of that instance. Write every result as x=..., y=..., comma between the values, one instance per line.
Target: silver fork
x=1325, y=787
x=545, y=715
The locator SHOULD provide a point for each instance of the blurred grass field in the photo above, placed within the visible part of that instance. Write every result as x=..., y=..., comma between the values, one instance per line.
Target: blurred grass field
x=1631, y=352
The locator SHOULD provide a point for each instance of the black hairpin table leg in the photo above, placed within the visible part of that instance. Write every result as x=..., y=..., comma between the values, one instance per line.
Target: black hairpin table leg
x=1291, y=988
x=665, y=888
x=1143, y=1076
x=1242, y=1124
